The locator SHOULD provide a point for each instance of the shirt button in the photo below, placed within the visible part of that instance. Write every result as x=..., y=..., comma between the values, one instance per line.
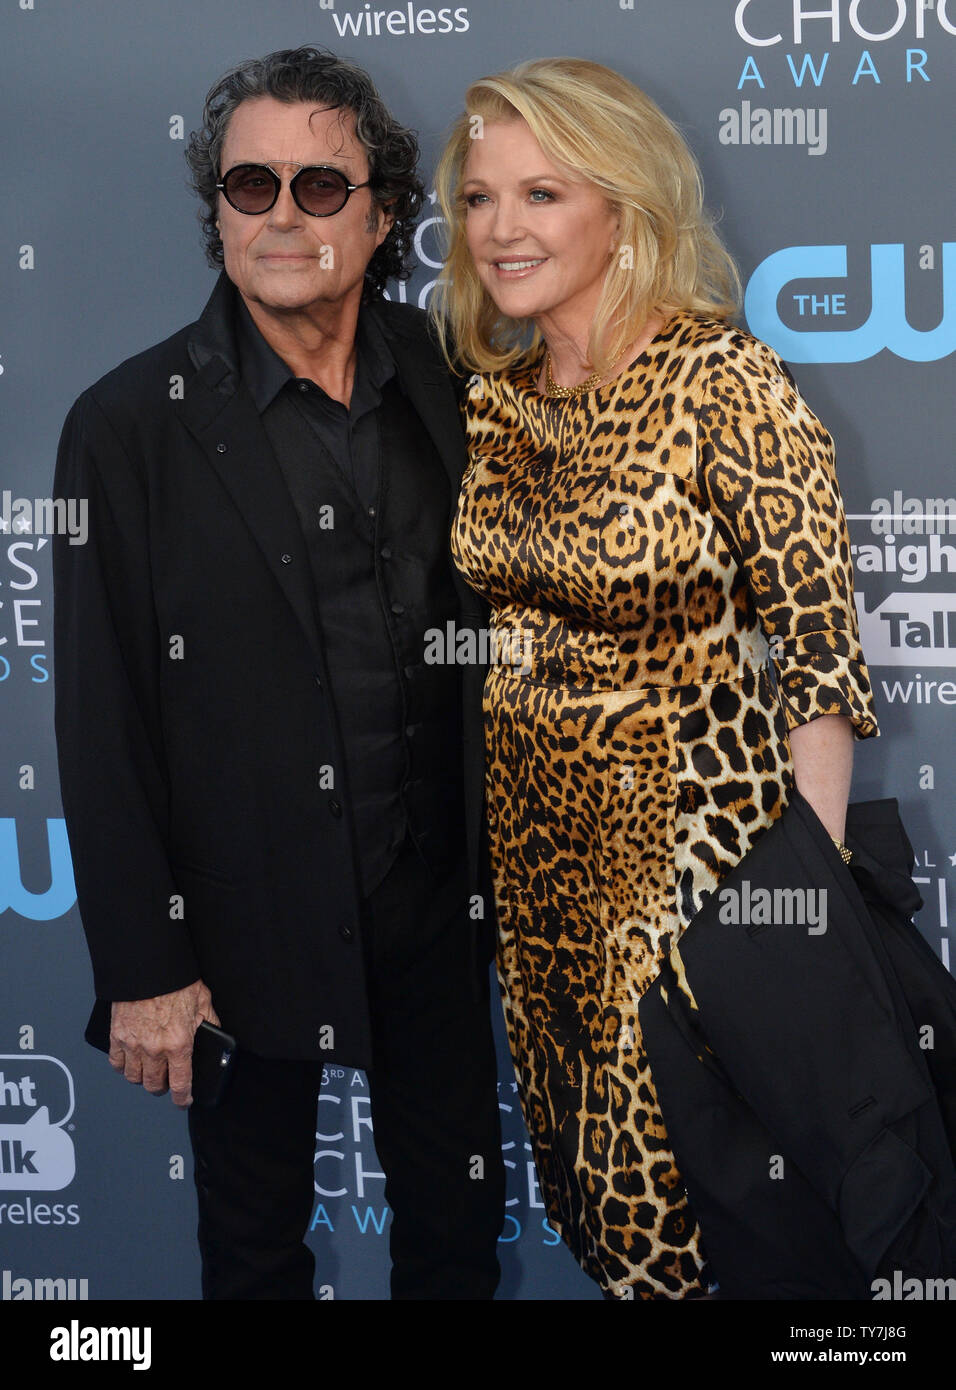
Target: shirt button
x=410, y=730
x=345, y=933
x=303, y=386
x=336, y=808
x=220, y=448
x=318, y=682
x=287, y=559
x=409, y=671
x=398, y=608
x=386, y=552
x=371, y=511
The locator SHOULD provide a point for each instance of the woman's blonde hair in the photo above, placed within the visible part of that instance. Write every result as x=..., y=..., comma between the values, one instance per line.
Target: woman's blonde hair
x=600, y=127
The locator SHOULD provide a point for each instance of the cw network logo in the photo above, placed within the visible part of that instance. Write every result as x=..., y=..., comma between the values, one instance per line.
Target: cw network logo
x=887, y=324
x=35, y=1152
x=53, y=901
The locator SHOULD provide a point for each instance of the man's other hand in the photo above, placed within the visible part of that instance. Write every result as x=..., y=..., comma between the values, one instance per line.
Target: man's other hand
x=151, y=1040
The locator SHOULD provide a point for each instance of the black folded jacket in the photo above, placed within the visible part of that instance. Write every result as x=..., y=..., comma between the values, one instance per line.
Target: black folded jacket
x=810, y=1095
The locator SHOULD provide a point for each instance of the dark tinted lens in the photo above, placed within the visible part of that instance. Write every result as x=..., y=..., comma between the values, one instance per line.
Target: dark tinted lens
x=250, y=188
x=321, y=191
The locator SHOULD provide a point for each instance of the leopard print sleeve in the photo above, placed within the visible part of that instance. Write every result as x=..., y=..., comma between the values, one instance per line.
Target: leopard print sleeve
x=766, y=467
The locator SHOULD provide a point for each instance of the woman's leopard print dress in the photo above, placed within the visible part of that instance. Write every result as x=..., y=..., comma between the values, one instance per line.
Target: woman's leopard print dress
x=652, y=550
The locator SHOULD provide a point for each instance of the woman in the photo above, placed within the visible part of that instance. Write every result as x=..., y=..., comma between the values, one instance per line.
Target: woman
x=651, y=503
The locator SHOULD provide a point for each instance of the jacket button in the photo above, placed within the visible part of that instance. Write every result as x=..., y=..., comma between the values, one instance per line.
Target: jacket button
x=409, y=671
x=346, y=933
x=220, y=448
x=318, y=682
x=287, y=559
x=398, y=608
x=336, y=808
x=410, y=730
x=386, y=552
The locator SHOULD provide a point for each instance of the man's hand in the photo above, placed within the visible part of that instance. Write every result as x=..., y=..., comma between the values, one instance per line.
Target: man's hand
x=151, y=1040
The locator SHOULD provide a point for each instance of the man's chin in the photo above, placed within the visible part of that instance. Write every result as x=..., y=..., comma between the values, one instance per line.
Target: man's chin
x=288, y=298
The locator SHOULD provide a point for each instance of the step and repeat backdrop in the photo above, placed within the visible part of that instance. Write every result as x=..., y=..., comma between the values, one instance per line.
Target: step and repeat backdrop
x=824, y=131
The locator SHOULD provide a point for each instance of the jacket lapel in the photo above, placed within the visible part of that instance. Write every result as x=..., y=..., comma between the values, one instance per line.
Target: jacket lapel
x=428, y=386
x=220, y=414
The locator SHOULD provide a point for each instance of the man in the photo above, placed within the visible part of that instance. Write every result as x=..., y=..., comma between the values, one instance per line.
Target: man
x=264, y=782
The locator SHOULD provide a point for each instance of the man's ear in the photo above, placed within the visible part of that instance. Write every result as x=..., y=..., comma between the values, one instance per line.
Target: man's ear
x=386, y=223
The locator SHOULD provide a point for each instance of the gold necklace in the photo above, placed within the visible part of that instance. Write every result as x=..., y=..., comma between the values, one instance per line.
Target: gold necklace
x=564, y=392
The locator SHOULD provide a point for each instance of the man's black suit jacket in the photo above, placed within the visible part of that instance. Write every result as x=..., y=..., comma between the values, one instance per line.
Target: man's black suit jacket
x=192, y=714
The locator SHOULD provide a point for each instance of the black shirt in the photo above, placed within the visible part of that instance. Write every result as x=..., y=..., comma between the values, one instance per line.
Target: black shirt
x=331, y=458
x=349, y=433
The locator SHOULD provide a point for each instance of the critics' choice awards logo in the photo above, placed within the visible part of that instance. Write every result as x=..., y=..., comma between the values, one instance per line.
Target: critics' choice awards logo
x=349, y=1184
x=772, y=29
x=36, y=1151
x=348, y=1181
x=23, y=611
x=904, y=560
x=790, y=44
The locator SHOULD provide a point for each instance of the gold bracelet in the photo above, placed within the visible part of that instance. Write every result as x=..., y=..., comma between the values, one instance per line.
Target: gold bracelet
x=845, y=854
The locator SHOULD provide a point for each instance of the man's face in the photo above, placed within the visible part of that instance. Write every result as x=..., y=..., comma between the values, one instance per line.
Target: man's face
x=284, y=259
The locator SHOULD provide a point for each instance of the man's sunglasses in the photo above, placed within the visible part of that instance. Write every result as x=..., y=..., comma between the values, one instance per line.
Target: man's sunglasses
x=254, y=188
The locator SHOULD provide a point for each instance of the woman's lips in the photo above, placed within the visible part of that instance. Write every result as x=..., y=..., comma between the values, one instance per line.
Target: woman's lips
x=517, y=267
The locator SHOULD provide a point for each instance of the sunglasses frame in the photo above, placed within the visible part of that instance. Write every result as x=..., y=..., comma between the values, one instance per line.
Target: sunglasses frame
x=349, y=189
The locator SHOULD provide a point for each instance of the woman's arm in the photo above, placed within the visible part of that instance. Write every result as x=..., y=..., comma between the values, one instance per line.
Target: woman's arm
x=766, y=468
x=822, y=764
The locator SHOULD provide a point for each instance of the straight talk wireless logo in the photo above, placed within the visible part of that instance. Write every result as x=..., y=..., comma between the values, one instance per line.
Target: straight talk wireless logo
x=397, y=22
x=904, y=559
x=36, y=1150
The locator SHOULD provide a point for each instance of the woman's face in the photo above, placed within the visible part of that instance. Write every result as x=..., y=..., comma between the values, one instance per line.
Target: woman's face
x=541, y=239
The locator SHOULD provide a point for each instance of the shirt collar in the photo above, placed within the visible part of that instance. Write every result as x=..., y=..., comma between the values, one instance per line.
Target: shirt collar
x=265, y=373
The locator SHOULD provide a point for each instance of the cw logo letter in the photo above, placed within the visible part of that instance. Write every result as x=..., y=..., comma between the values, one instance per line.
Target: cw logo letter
x=887, y=325
x=61, y=894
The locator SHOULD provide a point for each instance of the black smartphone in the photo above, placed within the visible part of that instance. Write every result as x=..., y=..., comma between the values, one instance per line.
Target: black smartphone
x=213, y=1054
